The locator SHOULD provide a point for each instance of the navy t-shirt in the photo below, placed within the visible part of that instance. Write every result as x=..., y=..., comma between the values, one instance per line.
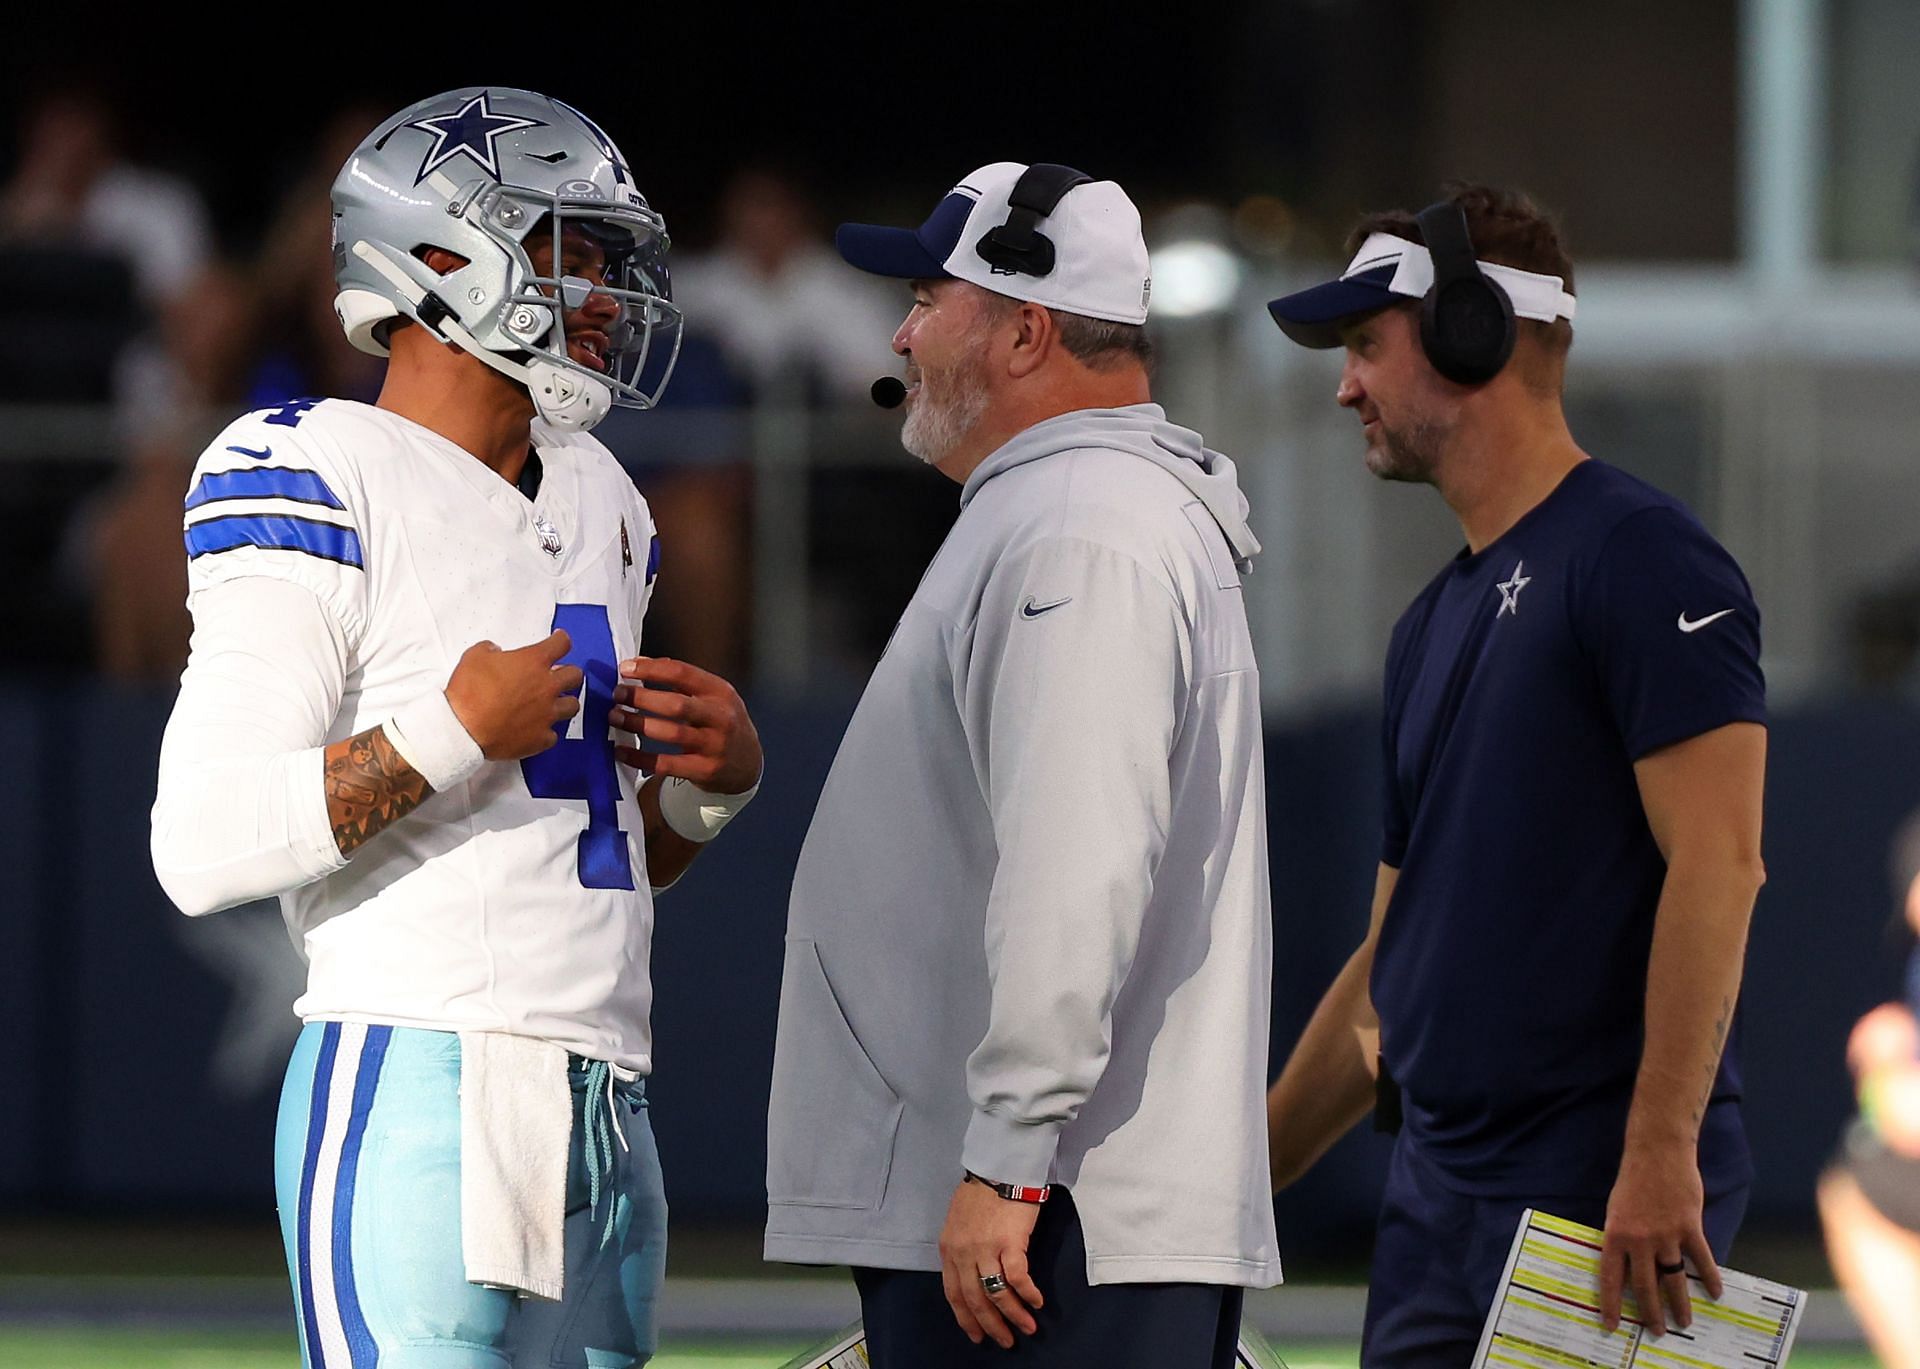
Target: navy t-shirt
x=1521, y=687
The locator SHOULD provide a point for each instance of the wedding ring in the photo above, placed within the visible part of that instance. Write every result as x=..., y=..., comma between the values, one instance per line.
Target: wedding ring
x=1662, y=1268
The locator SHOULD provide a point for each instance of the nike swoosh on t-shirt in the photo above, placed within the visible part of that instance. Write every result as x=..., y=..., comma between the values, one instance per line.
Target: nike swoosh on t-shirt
x=1695, y=626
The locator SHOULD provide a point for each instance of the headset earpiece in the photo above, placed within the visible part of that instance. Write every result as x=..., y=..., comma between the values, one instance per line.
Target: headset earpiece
x=1018, y=247
x=1466, y=319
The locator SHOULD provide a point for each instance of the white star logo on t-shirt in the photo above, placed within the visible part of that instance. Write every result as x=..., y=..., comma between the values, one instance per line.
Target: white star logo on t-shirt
x=1510, y=590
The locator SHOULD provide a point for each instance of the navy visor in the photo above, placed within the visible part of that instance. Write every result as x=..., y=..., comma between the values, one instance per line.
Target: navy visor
x=1313, y=317
x=908, y=253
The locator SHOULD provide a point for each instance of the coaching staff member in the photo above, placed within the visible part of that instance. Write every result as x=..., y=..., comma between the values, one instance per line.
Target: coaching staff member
x=1023, y=1024
x=1574, y=749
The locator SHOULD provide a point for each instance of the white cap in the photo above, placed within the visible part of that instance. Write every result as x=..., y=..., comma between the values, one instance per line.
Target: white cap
x=1097, y=265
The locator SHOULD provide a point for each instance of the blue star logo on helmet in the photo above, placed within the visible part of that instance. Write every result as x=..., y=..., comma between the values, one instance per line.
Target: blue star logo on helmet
x=473, y=131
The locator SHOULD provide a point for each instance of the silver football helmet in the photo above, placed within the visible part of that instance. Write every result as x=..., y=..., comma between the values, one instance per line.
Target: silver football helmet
x=476, y=172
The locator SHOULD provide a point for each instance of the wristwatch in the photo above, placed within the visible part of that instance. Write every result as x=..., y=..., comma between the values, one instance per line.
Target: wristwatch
x=1017, y=1193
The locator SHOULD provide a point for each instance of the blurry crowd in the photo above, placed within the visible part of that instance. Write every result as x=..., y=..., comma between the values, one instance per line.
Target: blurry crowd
x=133, y=326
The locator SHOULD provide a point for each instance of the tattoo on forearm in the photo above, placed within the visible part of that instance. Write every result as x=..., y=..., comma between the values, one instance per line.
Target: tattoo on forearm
x=1720, y=1030
x=369, y=785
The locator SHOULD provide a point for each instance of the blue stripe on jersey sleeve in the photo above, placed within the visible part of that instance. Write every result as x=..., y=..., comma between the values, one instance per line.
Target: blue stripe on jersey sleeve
x=653, y=558
x=275, y=532
x=264, y=482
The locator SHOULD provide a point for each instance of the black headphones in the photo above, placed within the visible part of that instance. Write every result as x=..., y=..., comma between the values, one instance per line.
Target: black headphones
x=1466, y=319
x=1018, y=247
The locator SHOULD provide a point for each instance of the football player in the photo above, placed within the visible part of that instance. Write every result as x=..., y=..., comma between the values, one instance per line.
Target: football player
x=415, y=662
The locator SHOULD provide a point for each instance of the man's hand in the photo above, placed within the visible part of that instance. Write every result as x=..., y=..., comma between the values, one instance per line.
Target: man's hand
x=694, y=710
x=509, y=701
x=987, y=1234
x=1653, y=1232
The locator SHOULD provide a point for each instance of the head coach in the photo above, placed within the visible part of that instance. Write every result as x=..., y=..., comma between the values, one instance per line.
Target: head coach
x=1574, y=750
x=1023, y=1023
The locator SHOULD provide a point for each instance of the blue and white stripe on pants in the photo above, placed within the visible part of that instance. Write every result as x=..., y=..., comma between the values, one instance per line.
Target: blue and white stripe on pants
x=333, y=1329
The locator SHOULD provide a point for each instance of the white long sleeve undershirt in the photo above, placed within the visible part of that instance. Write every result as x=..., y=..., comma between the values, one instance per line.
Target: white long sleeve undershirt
x=241, y=811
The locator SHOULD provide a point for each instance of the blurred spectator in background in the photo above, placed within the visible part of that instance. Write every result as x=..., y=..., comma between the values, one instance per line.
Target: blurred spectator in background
x=1870, y=1196
x=773, y=315
x=695, y=471
x=302, y=351
x=73, y=198
x=795, y=319
x=72, y=187
x=121, y=553
x=194, y=363
x=106, y=292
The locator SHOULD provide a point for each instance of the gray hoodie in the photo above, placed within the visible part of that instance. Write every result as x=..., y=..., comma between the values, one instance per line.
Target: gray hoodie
x=1030, y=931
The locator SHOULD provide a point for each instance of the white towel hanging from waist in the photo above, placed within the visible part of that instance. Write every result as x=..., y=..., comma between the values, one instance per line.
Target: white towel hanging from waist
x=516, y=1121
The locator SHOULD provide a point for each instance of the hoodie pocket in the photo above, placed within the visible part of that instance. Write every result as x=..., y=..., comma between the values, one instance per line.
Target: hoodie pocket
x=832, y=1117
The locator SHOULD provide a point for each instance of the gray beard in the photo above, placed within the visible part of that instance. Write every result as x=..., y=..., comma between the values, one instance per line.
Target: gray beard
x=948, y=407
x=1409, y=456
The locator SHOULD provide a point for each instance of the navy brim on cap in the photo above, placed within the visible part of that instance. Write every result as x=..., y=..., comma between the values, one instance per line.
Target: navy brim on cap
x=887, y=251
x=908, y=253
x=1313, y=317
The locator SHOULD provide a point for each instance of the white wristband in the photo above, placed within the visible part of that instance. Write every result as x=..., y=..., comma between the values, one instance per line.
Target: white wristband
x=694, y=813
x=428, y=735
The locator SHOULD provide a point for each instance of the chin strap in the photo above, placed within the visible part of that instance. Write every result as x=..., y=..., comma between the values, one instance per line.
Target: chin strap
x=564, y=398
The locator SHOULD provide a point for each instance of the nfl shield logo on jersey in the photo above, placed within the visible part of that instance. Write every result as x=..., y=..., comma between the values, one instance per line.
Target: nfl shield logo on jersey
x=549, y=535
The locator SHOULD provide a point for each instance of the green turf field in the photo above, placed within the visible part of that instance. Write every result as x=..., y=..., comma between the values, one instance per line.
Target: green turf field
x=86, y=1349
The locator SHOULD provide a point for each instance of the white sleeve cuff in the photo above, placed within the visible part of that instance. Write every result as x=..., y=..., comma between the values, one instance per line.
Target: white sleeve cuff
x=428, y=735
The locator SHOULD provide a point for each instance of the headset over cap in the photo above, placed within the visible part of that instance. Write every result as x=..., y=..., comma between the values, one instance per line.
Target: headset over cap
x=475, y=172
x=1467, y=306
x=1045, y=233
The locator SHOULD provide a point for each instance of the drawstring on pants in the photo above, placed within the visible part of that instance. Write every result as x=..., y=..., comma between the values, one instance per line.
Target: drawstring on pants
x=602, y=1128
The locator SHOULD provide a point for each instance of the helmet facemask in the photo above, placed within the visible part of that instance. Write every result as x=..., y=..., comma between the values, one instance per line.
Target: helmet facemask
x=643, y=337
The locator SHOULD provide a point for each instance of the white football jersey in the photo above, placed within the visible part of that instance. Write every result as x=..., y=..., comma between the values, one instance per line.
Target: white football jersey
x=517, y=901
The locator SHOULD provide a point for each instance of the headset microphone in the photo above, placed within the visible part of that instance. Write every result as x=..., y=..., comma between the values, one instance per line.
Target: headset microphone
x=889, y=392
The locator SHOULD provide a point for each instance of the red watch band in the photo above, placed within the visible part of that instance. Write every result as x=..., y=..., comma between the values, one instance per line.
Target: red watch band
x=1017, y=1193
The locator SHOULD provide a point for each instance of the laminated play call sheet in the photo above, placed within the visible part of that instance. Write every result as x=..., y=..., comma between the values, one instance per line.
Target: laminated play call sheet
x=1547, y=1312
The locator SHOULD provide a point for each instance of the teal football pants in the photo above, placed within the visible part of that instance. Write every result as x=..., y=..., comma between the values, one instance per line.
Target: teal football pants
x=367, y=1169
